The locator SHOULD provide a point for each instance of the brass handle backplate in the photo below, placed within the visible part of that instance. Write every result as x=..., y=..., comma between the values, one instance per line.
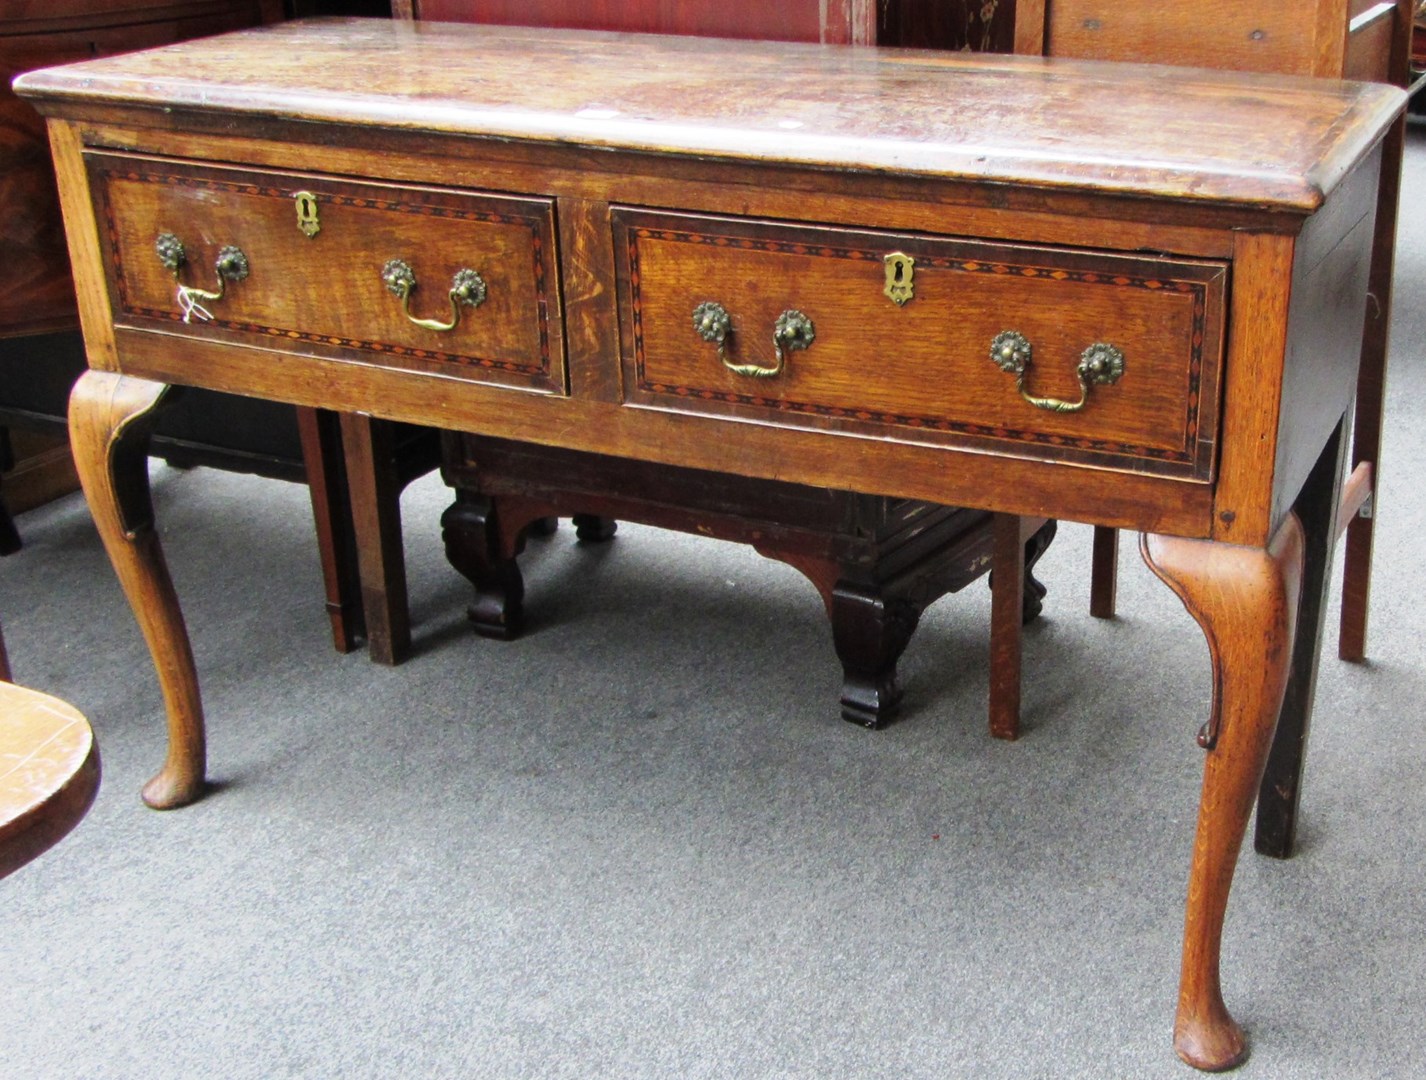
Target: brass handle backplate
x=467, y=290
x=792, y=331
x=230, y=265
x=1099, y=365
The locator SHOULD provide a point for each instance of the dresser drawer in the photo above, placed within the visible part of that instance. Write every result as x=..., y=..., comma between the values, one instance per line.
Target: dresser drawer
x=484, y=262
x=858, y=361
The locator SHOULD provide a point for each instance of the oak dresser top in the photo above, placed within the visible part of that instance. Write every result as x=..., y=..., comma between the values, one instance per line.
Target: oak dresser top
x=1271, y=142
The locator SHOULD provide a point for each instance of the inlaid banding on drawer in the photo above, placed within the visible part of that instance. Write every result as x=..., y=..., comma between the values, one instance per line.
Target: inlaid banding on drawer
x=861, y=367
x=325, y=288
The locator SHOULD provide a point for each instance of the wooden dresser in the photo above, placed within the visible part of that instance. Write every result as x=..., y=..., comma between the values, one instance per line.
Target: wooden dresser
x=918, y=275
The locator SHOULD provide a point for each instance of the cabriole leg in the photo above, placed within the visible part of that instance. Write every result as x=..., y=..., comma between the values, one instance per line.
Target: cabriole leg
x=1245, y=599
x=110, y=417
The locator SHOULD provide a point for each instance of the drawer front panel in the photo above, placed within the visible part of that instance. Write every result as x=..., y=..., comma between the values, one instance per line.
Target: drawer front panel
x=325, y=293
x=865, y=369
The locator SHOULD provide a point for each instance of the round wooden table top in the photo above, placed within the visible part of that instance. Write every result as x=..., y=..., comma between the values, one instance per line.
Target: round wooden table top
x=49, y=772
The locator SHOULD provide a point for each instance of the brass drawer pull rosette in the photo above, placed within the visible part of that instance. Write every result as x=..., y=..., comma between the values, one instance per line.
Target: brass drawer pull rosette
x=231, y=265
x=1099, y=365
x=467, y=290
x=792, y=331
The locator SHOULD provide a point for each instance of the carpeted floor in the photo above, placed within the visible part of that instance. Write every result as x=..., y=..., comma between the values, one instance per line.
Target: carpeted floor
x=639, y=843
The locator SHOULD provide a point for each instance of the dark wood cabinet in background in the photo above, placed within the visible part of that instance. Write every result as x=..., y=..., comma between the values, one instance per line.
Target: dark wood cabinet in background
x=41, y=352
x=36, y=293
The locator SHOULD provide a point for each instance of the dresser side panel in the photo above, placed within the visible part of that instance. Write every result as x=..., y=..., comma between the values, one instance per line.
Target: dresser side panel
x=1326, y=319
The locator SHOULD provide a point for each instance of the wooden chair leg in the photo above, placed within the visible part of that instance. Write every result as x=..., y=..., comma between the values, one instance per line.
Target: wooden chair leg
x=1035, y=537
x=4, y=660
x=1104, y=573
x=1371, y=402
x=110, y=417
x=321, y=435
x=1006, y=610
x=374, y=489
x=1356, y=588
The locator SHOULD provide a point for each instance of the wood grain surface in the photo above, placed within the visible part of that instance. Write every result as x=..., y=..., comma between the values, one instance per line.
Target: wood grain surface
x=49, y=772
x=1260, y=140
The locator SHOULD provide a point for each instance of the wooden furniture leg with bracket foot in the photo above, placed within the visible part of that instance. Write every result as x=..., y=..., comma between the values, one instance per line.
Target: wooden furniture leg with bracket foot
x=870, y=631
x=1245, y=599
x=110, y=416
x=483, y=538
x=593, y=529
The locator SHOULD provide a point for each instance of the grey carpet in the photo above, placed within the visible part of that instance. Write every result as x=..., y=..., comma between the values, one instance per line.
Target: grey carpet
x=640, y=843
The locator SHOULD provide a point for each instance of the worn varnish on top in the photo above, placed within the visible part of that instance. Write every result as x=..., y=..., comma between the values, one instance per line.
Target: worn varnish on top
x=1130, y=129
x=1202, y=238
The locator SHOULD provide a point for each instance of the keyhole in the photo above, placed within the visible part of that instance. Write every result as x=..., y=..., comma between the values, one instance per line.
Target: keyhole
x=900, y=273
x=307, y=219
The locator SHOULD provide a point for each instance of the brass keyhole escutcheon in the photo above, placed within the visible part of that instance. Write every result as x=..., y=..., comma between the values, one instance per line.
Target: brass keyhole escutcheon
x=900, y=278
x=307, y=219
